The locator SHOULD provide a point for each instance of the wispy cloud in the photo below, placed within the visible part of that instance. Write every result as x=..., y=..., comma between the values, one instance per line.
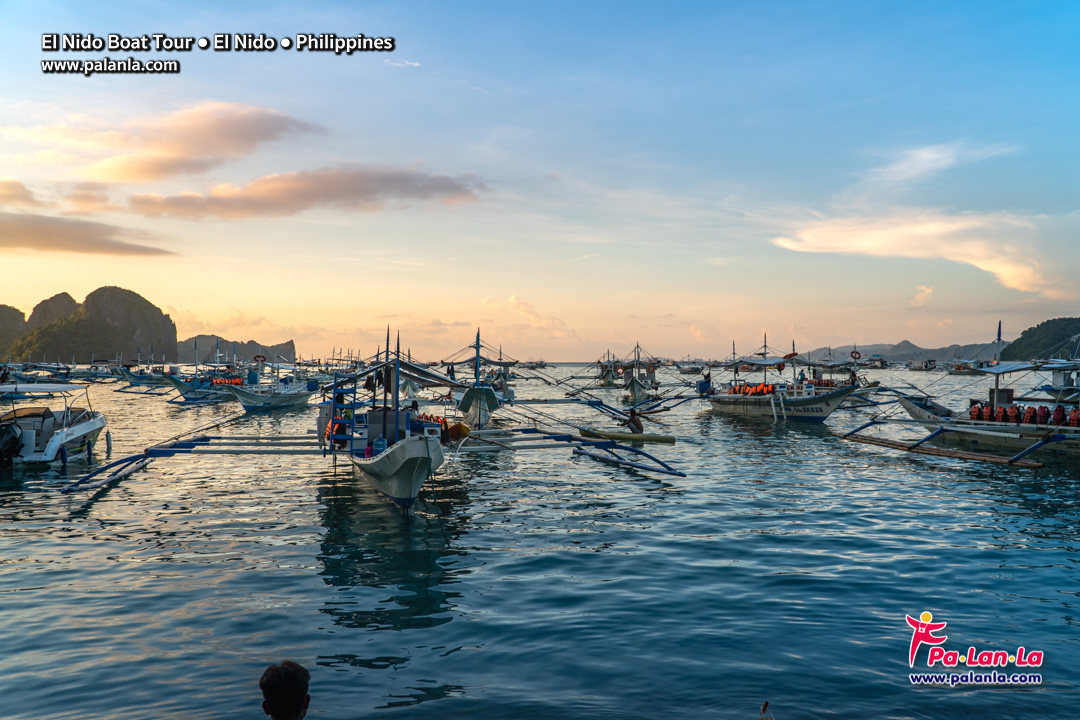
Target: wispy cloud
x=49, y=234
x=578, y=259
x=997, y=243
x=866, y=220
x=922, y=295
x=918, y=163
x=523, y=316
x=192, y=140
x=15, y=194
x=87, y=198
x=357, y=188
x=403, y=63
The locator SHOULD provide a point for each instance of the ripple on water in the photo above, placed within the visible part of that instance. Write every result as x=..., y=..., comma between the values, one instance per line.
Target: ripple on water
x=535, y=585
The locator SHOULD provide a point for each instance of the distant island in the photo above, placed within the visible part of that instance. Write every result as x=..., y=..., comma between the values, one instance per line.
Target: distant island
x=111, y=322
x=906, y=350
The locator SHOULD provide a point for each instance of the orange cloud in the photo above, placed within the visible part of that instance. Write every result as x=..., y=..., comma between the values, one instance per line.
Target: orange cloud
x=279, y=195
x=187, y=141
x=50, y=234
x=89, y=198
x=995, y=243
x=14, y=193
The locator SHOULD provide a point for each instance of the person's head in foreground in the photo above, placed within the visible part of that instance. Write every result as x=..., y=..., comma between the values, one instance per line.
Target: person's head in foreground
x=285, y=691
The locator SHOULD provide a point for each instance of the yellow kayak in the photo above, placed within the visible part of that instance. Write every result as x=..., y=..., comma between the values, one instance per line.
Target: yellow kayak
x=627, y=436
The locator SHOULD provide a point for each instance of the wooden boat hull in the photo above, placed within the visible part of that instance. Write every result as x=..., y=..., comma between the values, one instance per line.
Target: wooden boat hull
x=627, y=436
x=257, y=402
x=400, y=471
x=1000, y=436
x=781, y=407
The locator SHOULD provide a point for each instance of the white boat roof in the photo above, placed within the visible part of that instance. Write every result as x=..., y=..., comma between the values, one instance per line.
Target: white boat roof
x=1007, y=367
x=40, y=388
x=1057, y=364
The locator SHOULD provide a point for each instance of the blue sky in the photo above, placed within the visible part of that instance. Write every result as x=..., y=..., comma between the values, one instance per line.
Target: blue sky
x=570, y=178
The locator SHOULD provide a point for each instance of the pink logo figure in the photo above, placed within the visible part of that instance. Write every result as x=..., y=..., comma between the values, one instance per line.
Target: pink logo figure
x=923, y=633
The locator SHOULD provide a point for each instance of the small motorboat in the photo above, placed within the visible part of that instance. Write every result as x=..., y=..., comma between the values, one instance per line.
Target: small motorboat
x=39, y=434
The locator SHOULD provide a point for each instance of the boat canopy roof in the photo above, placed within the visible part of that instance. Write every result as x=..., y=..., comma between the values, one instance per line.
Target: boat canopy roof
x=759, y=362
x=1007, y=367
x=421, y=374
x=488, y=361
x=41, y=388
x=1060, y=364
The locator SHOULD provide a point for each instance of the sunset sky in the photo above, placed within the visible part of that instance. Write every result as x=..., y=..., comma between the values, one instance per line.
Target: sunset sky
x=570, y=177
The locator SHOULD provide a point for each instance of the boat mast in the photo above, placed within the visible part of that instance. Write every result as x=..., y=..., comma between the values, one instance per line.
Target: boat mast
x=397, y=382
x=385, y=378
x=476, y=362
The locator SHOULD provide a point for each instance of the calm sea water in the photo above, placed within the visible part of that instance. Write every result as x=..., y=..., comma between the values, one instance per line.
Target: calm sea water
x=534, y=584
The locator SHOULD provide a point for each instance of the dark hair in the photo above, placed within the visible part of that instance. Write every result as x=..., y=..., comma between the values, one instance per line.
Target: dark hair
x=284, y=688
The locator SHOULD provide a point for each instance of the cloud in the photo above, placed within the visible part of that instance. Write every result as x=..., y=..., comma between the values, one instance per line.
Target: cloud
x=579, y=258
x=923, y=294
x=353, y=188
x=997, y=243
x=89, y=198
x=239, y=324
x=192, y=140
x=947, y=322
x=51, y=234
x=14, y=194
x=528, y=318
x=921, y=162
x=403, y=63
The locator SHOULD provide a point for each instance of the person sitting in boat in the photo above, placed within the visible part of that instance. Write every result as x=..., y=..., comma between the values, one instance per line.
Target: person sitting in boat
x=633, y=423
x=285, y=691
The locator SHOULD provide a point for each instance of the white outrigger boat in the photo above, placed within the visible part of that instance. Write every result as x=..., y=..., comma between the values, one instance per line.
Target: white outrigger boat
x=805, y=401
x=33, y=434
x=284, y=393
x=395, y=449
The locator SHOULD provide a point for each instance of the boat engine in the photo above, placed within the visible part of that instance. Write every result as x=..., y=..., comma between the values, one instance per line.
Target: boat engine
x=10, y=443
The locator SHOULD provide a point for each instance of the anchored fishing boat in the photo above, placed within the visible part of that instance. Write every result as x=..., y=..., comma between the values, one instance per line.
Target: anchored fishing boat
x=284, y=393
x=395, y=449
x=1002, y=422
x=800, y=400
x=780, y=401
x=35, y=434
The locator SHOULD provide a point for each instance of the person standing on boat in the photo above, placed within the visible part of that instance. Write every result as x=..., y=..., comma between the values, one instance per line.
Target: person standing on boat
x=633, y=423
x=285, y=691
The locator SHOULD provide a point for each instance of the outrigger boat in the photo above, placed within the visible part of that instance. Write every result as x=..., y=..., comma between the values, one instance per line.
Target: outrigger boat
x=1001, y=423
x=808, y=401
x=479, y=401
x=284, y=393
x=395, y=449
x=33, y=434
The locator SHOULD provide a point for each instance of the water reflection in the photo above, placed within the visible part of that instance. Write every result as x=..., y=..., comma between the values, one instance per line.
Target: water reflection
x=369, y=548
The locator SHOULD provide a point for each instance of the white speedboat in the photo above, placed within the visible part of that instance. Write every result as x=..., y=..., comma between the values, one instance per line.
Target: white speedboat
x=39, y=434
